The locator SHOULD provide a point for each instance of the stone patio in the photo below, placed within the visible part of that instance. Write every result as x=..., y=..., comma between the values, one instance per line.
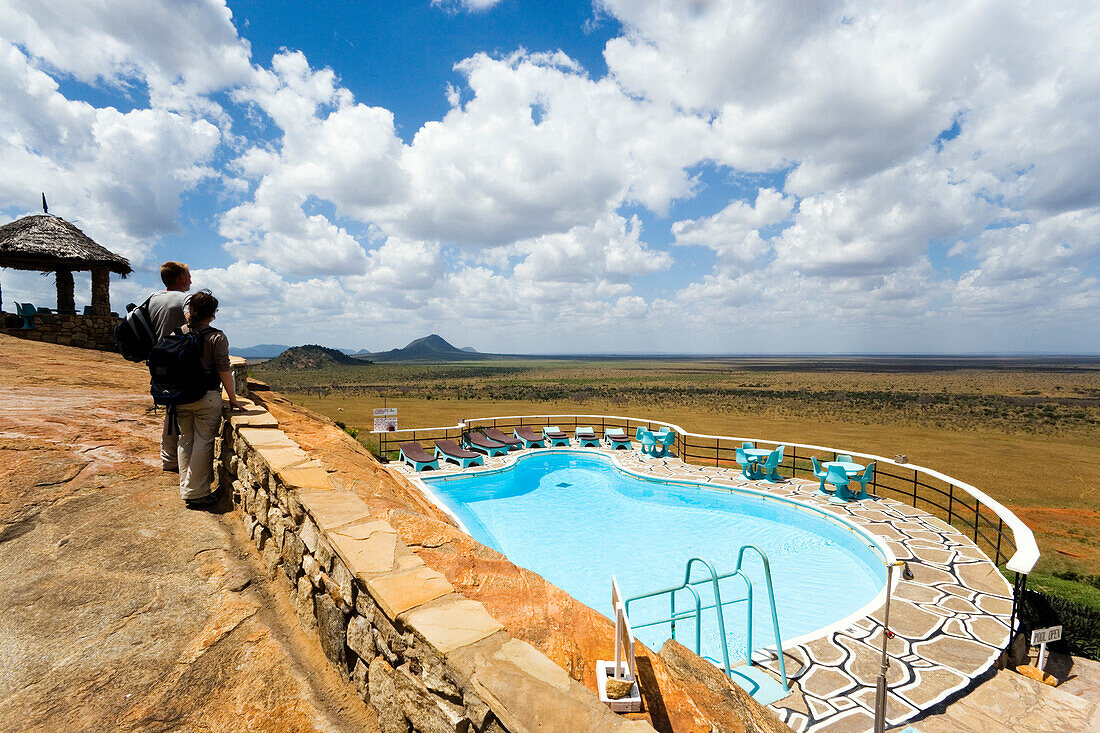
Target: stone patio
x=950, y=622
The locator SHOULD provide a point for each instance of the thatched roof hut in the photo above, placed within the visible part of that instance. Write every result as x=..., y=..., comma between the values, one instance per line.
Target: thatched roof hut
x=51, y=244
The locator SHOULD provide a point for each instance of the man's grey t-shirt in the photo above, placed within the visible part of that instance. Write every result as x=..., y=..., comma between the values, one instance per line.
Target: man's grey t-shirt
x=166, y=311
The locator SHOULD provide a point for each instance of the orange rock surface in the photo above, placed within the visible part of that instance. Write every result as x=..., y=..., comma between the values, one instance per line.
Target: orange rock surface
x=120, y=609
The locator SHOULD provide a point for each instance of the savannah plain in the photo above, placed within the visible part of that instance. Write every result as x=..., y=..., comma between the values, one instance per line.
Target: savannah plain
x=1026, y=431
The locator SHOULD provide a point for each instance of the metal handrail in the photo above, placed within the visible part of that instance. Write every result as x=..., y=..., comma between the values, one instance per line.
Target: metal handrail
x=718, y=606
x=1022, y=560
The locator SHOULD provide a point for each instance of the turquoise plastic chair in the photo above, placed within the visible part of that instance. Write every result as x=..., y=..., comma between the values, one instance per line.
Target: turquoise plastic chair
x=27, y=312
x=663, y=440
x=648, y=440
x=768, y=469
x=863, y=479
x=748, y=465
x=772, y=465
x=844, y=458
x=748, y=444
x=839, y=479
x=819, y=474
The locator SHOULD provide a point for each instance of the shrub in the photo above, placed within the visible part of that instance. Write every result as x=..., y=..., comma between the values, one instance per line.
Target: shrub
x=1080, y=622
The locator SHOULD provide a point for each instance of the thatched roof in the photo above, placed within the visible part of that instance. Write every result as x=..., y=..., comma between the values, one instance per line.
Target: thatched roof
x=45, y=242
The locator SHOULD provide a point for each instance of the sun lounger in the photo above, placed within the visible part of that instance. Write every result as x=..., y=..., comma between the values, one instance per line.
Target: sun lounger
x=480, y=442
x=498, y=436
x=450, y=451
x=529, y=438
x=617, y=438
x=415, y=455
x=555, y=436
x=587, y=438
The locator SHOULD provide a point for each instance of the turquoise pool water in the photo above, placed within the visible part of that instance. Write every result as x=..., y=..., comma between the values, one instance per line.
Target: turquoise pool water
x=576, y=519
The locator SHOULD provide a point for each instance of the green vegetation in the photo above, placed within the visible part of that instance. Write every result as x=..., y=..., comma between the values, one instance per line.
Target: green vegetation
x=1071, y=601
x=1025, y=431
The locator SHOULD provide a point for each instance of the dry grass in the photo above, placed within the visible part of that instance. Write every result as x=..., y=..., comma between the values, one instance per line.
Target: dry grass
x=1029, y=437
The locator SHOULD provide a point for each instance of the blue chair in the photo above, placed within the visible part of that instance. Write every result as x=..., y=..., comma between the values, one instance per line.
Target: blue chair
x=88, y=311
x=772, y=465
x=648, y=440
x=749, y=466
x=586, y=437
x=844, y=459
x=26, y=311
x=555, y=436
x=839, y=479
x=748, y=444
x=864, y=478
x=617, y=438
x=819, y=473
x=663, y=440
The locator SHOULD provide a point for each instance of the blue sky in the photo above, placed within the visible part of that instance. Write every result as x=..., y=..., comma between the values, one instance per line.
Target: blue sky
x=618, y=176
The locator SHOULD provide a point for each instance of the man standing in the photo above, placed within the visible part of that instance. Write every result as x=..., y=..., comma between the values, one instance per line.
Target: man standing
x=166, y=313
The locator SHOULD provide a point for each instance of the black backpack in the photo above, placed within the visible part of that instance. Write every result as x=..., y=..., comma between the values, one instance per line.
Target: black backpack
x=135, y=334
x=177, y=375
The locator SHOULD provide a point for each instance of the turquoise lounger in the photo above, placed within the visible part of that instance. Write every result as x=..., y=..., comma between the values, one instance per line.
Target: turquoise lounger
x=450, y=450
x=415, y=455
x=555, y=436
x=617, y=438
x=477, y=441
x=586, y=437
x=529, y=438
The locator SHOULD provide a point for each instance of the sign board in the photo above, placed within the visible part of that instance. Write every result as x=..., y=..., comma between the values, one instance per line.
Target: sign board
x=1042, y=636
x=385, y=418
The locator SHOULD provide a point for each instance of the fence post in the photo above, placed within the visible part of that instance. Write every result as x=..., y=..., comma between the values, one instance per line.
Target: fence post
x=914, y=488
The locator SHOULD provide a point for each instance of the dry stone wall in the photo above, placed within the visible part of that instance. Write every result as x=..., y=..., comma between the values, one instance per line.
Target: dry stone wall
x=425, y=657
x=87, y=332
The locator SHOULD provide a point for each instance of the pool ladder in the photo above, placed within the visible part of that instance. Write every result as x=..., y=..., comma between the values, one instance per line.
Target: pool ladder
x=713, y=578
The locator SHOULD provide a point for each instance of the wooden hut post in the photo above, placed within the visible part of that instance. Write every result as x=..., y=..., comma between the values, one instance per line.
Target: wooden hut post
x=66, y=298
x=101, y=291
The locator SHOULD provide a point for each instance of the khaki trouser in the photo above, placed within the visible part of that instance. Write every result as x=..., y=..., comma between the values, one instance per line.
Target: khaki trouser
x=169, y=447
x=198, y=422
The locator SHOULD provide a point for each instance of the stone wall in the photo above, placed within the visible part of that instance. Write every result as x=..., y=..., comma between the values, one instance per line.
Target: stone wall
x=424, y=656
x=87, y=332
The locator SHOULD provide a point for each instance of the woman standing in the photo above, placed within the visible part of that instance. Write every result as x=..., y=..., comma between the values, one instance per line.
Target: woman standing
x=198, y=420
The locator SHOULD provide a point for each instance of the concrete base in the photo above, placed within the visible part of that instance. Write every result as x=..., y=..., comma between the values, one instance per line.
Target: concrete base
x=632, y=703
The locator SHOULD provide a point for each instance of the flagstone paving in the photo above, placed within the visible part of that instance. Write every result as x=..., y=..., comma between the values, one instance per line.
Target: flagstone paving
x=950, y=622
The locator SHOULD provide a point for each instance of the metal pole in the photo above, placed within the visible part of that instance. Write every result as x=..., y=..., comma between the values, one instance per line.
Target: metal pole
x=880, y=692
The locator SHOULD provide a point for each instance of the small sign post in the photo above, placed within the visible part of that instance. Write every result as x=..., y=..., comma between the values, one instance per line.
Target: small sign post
x=1041, y=637
x=385, y=418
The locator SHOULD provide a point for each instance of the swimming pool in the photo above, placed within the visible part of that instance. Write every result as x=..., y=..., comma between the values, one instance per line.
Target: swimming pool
x=577, y=519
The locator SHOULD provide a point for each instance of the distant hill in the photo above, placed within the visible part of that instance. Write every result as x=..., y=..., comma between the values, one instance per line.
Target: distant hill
x=312, y=356
x=429, y=348
x=355, y=352
x=469, y=349
x=259, y=351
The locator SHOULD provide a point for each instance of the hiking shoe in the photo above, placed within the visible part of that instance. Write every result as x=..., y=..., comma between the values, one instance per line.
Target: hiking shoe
x=202, y=502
